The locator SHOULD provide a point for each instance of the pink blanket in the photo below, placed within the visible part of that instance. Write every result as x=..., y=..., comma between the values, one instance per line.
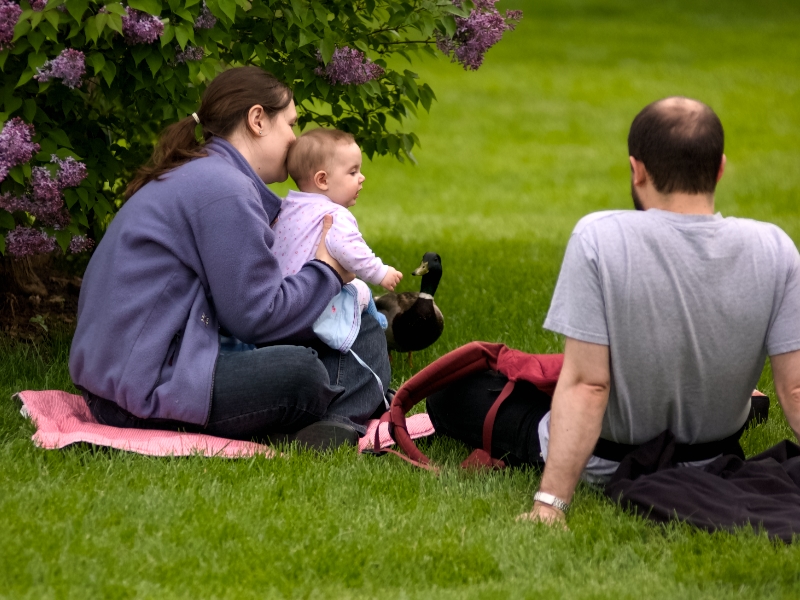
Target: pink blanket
x=62, y=419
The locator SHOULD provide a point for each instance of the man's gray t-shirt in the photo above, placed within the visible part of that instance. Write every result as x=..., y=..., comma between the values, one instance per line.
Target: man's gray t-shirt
x=689, y=305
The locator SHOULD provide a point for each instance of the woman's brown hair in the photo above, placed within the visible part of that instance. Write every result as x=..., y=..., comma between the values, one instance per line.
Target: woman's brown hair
x=225, y=105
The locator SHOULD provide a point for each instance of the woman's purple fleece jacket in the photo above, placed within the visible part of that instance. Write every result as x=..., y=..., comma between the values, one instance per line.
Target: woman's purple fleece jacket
x=183, y=256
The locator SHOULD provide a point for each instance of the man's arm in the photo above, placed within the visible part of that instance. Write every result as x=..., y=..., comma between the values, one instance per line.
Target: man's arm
x=579, y=404
x=786, y=374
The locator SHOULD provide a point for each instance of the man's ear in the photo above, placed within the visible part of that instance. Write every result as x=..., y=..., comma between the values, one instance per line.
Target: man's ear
x=321, y=180
x=722, y=167
x=638, y=172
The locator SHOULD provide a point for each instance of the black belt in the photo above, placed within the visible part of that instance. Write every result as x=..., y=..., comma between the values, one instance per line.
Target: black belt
x=683, y=452
x=759, y=412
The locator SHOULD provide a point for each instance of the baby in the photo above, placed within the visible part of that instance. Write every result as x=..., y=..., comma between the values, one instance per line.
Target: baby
x=326, y=166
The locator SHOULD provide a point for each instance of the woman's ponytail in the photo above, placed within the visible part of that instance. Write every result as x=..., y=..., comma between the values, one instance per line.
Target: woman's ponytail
x=225, y=105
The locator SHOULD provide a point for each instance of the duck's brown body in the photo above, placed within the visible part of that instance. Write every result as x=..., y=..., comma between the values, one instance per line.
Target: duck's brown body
x=415, y=322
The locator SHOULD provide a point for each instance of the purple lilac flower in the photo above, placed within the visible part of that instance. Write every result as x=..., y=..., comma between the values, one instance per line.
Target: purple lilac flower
x=191, y=53
x=38, y=5
x=12, y=203
x=481, y=30
x=69, y=67
x=70, y=171
x=349, y=66
x=205, y=20
x=48, y=203
x=9, y=15
x=141, y=28
x=27, y=241
x=80, y=243
x=15, y=145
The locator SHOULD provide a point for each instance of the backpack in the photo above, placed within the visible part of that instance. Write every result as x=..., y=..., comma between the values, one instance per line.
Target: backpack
x=542, y=370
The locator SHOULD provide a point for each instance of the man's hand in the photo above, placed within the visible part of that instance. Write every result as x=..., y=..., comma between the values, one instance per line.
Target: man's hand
x=391, y=279
x=325, y=256
x=544, y=513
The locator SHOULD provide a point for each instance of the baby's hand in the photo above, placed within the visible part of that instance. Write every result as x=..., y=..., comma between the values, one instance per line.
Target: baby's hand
x=391, y=279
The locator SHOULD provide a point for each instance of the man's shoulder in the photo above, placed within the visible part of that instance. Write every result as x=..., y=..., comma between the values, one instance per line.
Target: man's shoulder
x=603, y=219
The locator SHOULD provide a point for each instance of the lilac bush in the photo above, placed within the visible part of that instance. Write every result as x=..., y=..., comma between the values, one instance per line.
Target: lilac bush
x=141, y=28
x=27, y=241
x=80, y=243
x=129, y=69
x=16, y=146
x=206, y=19
x=478, y=32
x=193, y=53
x=9, y=15
x=69, y=67
x=349, y=66
x=70, y=171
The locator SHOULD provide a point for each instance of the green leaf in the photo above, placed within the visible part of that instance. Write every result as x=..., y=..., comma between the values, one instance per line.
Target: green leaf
x=6, y=219
x=36, y=18
x=29, y=109
x=449, y=23
x=323, y=87
x=90, y=29
x=306, y=37
x=168, y=35
x=182, y=35
x=115, y=23
x=2, y=244
x=109, y=71
x=116, y=8
x=140, y=52
x=152, y=7
x=154, y=61
x=76, y=8
x=20, y=29
x=17, y=175
x=52, y=17
x=58, y=136
x=26, y=76
x=327, y=47
x=98, y=61
x=228, y=7
x=12, y=103
x=63, y=238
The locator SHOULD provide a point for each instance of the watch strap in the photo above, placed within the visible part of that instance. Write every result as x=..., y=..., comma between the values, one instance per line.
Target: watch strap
x=551, y=500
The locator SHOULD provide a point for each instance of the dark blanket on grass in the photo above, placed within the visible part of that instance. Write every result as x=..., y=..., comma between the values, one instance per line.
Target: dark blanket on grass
x=728, y=493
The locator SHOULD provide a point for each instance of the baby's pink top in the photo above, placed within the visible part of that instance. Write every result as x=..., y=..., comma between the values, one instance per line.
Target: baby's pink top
x=297, y=236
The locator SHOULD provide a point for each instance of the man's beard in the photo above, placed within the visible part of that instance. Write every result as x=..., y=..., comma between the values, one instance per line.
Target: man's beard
x=637, y=202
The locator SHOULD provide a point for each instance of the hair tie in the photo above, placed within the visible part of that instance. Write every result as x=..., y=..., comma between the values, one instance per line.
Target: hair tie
x=196, y=118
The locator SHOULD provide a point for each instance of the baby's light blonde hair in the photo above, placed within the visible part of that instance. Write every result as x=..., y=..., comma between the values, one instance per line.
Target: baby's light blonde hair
x=313, y=152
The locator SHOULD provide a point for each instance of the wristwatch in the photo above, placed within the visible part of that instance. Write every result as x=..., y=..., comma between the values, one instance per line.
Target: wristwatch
x=551, y=500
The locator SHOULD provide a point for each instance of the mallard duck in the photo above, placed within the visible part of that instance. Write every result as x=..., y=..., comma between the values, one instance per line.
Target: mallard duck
x=415, y=322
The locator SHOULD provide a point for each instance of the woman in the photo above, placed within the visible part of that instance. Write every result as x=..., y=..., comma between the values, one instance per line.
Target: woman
x=189, y=254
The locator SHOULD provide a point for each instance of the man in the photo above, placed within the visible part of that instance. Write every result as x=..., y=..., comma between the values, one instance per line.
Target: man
x=668, y=312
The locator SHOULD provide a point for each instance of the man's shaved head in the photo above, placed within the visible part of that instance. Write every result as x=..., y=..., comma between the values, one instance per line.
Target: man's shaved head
x=680, y=141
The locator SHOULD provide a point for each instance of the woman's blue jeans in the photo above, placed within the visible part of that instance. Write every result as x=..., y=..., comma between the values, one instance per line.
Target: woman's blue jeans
x=282, y=388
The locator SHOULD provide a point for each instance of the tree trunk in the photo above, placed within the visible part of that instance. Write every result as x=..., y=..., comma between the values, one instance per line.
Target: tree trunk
x=23, y=277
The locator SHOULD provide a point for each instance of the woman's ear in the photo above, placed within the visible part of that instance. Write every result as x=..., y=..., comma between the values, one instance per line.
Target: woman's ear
x=257, y=120
x=321, y=180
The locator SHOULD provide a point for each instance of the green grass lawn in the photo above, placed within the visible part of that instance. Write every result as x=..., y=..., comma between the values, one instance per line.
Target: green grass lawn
x=512, y=156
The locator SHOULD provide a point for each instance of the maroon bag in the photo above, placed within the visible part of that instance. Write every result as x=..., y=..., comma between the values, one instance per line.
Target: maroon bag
x=541, y=370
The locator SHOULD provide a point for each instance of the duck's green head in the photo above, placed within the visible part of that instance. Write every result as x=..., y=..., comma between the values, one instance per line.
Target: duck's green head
x=431, y=271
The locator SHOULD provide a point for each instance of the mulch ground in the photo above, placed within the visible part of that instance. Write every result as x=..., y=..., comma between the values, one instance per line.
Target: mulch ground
x=31, y=317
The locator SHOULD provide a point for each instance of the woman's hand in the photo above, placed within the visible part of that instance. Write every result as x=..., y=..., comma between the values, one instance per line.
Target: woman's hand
x=325, y=256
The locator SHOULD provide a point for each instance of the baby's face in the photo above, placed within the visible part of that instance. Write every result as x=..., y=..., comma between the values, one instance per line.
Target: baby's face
x=345, y=178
